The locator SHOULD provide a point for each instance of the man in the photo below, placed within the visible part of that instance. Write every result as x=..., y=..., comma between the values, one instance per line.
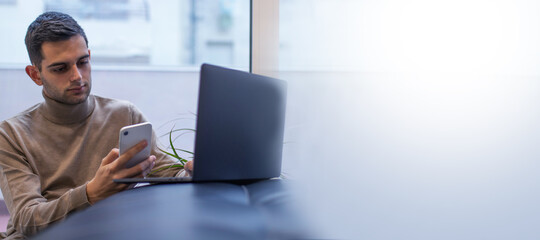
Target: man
x=59, y=156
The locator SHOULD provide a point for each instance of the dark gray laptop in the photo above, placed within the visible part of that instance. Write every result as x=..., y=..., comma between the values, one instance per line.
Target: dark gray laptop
x=240, y=124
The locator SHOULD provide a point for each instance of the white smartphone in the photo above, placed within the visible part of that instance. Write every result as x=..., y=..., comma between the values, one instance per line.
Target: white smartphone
x=133, y=134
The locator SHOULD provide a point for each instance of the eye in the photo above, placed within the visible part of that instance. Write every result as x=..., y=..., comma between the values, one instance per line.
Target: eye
x=59, y=70
x=84, y=61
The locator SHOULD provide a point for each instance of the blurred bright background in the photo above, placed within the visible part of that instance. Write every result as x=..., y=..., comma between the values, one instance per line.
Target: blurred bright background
x=408, y=119
x=420, y=118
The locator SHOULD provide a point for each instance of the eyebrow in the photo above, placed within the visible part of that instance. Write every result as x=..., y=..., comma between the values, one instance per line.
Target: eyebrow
x=63, y=63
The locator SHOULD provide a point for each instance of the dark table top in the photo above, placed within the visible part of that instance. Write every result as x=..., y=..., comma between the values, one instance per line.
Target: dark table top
x=261, y=210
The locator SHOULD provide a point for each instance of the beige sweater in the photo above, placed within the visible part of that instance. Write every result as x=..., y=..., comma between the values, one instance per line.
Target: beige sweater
x=49, y=152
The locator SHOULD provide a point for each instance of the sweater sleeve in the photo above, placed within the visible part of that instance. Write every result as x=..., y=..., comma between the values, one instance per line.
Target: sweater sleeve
x=30, y=211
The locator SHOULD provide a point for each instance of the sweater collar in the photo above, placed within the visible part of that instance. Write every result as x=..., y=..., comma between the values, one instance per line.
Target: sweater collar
x=62, y=113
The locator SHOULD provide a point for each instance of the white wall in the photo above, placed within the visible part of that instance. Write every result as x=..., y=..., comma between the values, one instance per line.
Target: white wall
x=419, y=119
x=161, y=96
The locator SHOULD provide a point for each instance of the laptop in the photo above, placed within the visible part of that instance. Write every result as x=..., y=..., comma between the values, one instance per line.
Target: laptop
x=239, y=131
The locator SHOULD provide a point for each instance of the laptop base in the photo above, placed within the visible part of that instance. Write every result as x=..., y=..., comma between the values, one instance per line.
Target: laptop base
x=159, y=180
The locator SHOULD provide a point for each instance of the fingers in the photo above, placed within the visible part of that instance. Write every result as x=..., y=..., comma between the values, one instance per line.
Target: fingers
x=124, y=158
x=140, y=168
x=113, y=155
x=149, y=169
x=189, y=167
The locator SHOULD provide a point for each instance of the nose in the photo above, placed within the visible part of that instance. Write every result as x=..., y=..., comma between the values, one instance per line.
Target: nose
x=75, y=73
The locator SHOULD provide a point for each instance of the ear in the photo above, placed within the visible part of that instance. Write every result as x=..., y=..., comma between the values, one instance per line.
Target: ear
x=33, y=73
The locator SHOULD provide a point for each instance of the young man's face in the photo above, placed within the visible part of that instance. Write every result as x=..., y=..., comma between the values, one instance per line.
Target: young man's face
x=65, y=70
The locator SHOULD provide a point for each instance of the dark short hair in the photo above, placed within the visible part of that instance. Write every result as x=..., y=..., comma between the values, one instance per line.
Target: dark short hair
x=50, y=27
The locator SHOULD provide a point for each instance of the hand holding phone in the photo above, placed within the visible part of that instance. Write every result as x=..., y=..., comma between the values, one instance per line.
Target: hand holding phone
x=133, y=134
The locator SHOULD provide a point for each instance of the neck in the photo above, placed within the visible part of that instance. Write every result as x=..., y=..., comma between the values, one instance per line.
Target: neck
x=62, y=113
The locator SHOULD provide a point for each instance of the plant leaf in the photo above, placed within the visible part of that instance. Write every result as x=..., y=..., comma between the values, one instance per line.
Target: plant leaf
x=168, y=153
x=186, y=151
x=172, y=145
x=165, y=168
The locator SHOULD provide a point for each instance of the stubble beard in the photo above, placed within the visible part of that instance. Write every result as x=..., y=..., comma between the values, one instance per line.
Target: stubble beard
x=66, y=96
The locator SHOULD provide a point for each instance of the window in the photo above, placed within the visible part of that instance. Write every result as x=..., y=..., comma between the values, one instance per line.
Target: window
x=142, y=33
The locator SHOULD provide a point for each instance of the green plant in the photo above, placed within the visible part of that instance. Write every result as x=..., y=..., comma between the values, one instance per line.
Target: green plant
x=181, y=161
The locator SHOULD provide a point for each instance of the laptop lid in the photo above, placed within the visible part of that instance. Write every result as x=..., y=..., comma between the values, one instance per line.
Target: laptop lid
x=240, y=125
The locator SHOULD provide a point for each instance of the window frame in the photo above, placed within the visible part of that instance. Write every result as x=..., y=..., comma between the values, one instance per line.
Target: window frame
x=264, y=37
